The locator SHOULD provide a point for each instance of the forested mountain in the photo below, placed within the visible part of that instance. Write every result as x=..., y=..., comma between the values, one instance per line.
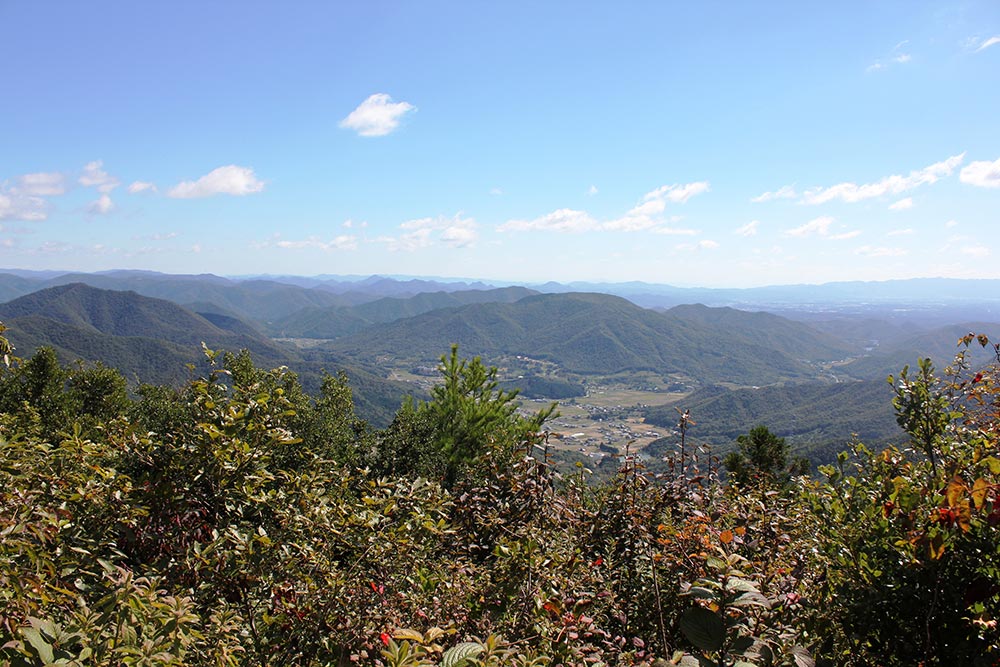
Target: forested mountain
x=595, y=333
x=152, y=341
x=344, y=320
x=793, y=338
x=817, y=419
x=939, y=344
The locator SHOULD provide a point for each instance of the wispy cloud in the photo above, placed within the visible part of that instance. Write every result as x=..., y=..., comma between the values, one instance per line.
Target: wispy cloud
x=94, y=176
x=896, y=57
x=982, y=174
x=562, y=220
x=228, y=180
x=677, y=193
x=815, y=227
x=890, y=185
x=342, y=242
x=784, y=192
x=975, y=251
x=648, y=214
x=704, y=244
x=102, y=206
x=749, y=229
x=902, y=204
x=592, y=190
x=14, y=206
x=456, y=232
x=988, y=42
x=141, y=186
x=40, y=185
x=377, y=116
x=872, y=251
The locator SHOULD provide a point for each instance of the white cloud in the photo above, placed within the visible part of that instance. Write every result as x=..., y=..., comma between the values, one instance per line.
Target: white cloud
x=102, y=206
x=40, y=185
x=460, y=234
x=496, y=192
x=951, y=223
x=784, y=192
x=141, y=186
x=674, y=231
x=852, y=192
x=456, y=231
x=377, y=116
x=409, y=242
x=749, y=229
x=902, y=204
x=592, y=190
x=818, y=226
x=896, y=56
x=19, y=207
x=976, y=251
x=94, y=176
x=646, y=214
x=677, y=194
x=982, y=174
x=987, y=43
x=228, y=180
x=845, y=235
x=342, y=242
x=870, y=251
x=704, y=244
x=900, y=232
x=562, y=220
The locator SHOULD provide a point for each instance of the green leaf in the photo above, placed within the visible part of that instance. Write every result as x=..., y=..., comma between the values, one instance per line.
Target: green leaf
x=37, y=641
x=703, y=628
x=460, y=654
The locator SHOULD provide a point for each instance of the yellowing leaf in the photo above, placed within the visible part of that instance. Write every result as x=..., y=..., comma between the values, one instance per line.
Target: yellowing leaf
x=979, y=489
x=956, y=492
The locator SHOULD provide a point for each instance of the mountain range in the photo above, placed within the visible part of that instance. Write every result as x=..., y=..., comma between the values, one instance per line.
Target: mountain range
x=813, y=370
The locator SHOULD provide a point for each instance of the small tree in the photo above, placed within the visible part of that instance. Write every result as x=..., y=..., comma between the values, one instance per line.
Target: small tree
x=468, y=412
x=762, y=458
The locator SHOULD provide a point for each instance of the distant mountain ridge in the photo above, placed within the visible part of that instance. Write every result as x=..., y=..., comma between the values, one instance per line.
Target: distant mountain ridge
x=593, y=334
x=340, y=321
x=153, y=340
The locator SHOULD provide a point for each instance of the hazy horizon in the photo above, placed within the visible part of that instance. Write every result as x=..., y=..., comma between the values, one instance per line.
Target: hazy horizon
x=716, y=145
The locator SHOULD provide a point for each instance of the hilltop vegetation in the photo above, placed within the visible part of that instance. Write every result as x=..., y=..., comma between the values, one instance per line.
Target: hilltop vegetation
x=818, y=420
x=240, y=521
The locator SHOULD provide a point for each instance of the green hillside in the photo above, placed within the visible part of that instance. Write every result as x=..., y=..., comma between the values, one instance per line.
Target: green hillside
x=338, y=321
x=796, y=339
x=152, y=340
x=816, y=419
x=590, y=334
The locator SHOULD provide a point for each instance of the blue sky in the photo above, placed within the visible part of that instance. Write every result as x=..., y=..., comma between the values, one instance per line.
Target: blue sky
x=711, y=143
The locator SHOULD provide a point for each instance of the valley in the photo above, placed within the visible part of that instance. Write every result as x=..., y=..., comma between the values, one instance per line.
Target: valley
x=620, y=372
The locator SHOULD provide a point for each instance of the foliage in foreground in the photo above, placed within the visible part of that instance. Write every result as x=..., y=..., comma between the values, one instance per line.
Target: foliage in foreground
x=240, y=521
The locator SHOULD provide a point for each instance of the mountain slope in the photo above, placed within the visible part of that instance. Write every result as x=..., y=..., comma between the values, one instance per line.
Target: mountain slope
x=345, y=320
x=817, y=419
x=587, y=334
x=152, y=340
